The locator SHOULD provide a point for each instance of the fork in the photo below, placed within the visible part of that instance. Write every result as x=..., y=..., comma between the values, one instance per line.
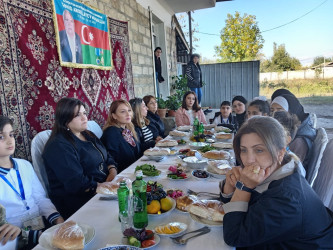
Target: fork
x=181, y=241
x=191, y=192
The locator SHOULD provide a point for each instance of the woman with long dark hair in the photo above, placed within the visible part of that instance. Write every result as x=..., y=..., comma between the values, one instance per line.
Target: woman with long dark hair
x=189, y=110
x=152, y=115
x=119, y=136
x=76, y=161
x=147, y=133
x=194, y=76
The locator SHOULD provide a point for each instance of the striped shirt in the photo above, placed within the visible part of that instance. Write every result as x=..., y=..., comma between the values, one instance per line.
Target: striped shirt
x=147, y=134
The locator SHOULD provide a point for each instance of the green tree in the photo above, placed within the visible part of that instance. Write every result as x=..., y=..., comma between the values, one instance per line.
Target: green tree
x=280, y=61
x=320, y=59
x=241, y=39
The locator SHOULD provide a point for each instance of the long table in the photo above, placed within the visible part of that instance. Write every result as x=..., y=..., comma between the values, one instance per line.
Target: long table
x=103, y=214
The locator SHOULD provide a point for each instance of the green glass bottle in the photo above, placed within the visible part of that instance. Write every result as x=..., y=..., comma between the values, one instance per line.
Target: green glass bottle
x=139, y=186
x=123, y=193
x=196, y=127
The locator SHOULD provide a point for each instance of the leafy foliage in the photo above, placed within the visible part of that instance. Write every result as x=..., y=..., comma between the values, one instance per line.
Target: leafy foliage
x=161, y=104
x=280, y=61
x=179, y=88
x=241, y=39
x=320, y=59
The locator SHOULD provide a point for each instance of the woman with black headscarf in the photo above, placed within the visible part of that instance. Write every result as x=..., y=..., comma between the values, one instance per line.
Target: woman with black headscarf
x=306, y=133
x=239, y=107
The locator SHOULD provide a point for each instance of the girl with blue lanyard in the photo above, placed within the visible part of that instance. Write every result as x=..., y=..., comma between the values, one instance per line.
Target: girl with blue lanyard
x=21, y=194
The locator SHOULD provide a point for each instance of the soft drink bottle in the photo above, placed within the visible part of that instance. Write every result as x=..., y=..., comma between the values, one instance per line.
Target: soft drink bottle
x=139, y=186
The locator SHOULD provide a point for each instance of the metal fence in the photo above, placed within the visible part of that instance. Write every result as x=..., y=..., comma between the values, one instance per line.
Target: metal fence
x=226, y=80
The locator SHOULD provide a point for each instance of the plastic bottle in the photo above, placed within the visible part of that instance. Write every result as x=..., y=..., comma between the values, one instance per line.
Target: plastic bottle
x=201, y=132
x=196, y=127
x=123, y=200
x=140, y=218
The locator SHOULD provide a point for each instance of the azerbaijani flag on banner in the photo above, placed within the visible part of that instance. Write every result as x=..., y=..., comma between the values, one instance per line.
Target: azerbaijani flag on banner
x=82, y=35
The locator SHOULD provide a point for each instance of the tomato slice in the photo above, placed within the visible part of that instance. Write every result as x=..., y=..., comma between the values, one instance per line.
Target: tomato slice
x=147, y=243
x=150, y=233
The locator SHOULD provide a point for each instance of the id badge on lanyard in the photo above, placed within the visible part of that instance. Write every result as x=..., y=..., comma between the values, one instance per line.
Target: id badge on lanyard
x=21, y=194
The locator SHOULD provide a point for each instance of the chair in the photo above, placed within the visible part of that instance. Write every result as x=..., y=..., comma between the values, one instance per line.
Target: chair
x=95, y=128
x=37, y=147
x=317, y=150
x=313, y=118
x=323, y=184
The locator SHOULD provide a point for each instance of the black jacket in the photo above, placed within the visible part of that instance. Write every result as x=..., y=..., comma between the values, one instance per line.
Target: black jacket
x=158, y=69
x=157, y=122
x=73, y=170
x=288, y=215
x=194, y=75
x=122, y=152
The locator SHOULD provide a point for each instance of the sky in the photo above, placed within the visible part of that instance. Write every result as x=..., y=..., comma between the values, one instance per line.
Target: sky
x=305, y=38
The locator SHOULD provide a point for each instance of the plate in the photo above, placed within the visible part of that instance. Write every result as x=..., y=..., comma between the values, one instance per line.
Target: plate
x=206, y=222
x=184, y=128
x=222, y=145
x=45, y=240
x=197, y=145
x=219, y=176
x=119, y=247
x=178, y=179
x=157, y=240
x=168, y=212
x=181, y=225
x=155, y=157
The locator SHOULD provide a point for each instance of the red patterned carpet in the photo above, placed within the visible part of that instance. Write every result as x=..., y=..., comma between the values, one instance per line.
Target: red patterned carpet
x=32, y=80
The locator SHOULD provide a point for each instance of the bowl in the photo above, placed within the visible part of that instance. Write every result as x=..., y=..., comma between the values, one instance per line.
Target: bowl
x=198, y=172
x=167, y=212
x=194, y=163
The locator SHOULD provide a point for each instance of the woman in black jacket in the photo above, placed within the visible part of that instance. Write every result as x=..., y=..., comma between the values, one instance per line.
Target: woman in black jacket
x=152, y=116
x=146, y=131
x=119, y=136
x=76, y=161
x=268, y=202
x=194, y=76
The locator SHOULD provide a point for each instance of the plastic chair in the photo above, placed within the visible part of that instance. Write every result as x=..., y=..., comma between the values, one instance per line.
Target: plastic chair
x=323, y=184
x=37, y=147
x=95, y=128
x=313, y=118
x=318, y=147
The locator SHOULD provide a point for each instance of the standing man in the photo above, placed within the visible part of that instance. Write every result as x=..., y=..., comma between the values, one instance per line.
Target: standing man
x=70, y=42
x=194, y=76
x=158, y=69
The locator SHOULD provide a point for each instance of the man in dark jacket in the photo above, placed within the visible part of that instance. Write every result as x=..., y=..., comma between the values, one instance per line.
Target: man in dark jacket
x=194, y=76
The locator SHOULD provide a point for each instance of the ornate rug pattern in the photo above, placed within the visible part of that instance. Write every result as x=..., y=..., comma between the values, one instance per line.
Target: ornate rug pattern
x=32, y=80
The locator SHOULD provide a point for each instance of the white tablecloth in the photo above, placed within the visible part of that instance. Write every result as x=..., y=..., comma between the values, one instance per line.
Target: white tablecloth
x=103, y=215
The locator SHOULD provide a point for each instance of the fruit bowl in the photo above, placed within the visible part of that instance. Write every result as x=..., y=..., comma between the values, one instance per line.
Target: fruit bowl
x=173, y=205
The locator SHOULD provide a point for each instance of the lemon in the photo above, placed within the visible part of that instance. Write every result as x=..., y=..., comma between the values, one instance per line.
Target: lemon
x=153, y=207
x=166, y=204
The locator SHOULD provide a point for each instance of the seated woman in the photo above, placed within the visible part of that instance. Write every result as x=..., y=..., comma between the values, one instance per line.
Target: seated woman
x=269, y=204
x=239, y=107
x=76, y=161
x=290, y=123
x=147, y=133
x=189, y=110
x=258, y=107
x=119, y=136
x=306, y=133
x=21, y=193
x=152, y=116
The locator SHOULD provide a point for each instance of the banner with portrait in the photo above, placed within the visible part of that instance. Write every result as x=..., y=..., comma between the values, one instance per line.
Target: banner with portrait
x=82, y=35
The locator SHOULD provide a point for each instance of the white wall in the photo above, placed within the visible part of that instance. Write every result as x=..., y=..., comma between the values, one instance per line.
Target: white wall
x=298, y=74
x=162, y=11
